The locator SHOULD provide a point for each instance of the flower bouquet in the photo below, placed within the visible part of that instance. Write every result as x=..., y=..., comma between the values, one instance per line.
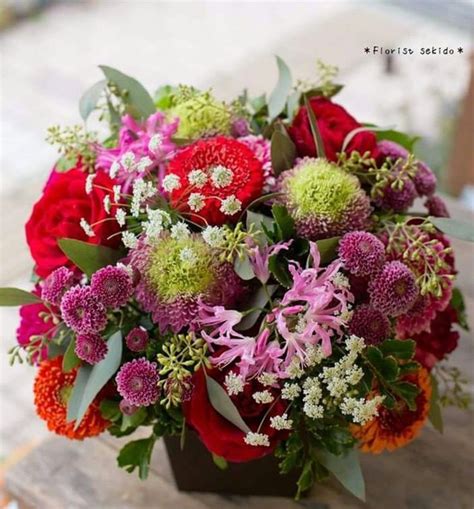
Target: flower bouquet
x=244, y=279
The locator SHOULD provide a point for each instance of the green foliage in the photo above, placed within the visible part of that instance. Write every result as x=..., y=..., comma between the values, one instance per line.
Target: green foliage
x=90, y=98
x=278, y=266
x=220, y=462
x=137, y=454
x=453, y=227
x=318, y=140
x=283, y=150
x=328, y=249
x=435, y=415
x=110, y=410
x=256, y=304
x=403, y=139
x=277, y=99
x=88, y=257
x=284, y=222
x=70, y=359
x=457, y=302
x=452, y=386
x=17, y=297
x=243, y=267
x=403, y=350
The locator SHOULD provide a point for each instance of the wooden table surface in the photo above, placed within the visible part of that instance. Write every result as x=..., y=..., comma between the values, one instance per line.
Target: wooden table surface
x=434, y=472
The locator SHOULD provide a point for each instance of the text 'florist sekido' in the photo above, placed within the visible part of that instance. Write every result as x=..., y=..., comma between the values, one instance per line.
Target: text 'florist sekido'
x=251, y=272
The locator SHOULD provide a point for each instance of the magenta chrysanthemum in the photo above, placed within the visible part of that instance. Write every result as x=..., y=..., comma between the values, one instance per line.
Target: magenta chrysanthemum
x=397, y=200
x=137, y=382
x=260, y=146
x=387, y=148
x=369, y=323
x=113, y=286
x=56, y=285
x=82, y=311
x=90, y=348
x=362, y=253
x=323, y=199
x=393, y=290
x=436, y=207
x=239, y=127
x=137, y=339
x=127, y=408
x=176, y=273
x=424, y=180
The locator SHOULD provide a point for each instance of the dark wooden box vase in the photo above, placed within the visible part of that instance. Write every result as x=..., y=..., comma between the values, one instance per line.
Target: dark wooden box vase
x=194, y=470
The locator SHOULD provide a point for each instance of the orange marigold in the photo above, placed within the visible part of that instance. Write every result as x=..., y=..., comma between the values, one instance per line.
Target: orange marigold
x=52, y=389
x=394, y=428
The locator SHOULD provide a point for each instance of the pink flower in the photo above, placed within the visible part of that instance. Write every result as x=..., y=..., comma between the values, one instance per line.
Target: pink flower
x=259, y=257
x=222, y=320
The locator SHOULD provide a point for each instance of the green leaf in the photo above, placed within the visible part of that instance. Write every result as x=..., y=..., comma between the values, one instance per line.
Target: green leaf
x=134, y=420
x=435, y=416
x=164, y=97
x=457, y=302
x=328, y=249
x=260, y=222
x=90, y=98
x=293, y=104
x=140, y=102
x=110, y=410
x=318, y=140
x=17, y=297
x=258, y=300
x=91, y=379
x=346, y=469
x=407, y=391
x=220, y=462
x=277, y=99
x=282, y=149
x=459, y=229
x=70, y=359
x=399, y=349
x=386, y=367
x=88, y=257
x=137, y=454
x=318, y=91
x=278, y=266
x=306, y=478
x=64, y=164
x=222, y=404
x=403, y=139
x=409, y=367
x=285, y=223
x=243, y=267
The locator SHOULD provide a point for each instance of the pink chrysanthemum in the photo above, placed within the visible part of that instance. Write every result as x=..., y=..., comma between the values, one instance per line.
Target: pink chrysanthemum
x=260, y=146
x=171, y=285
x=369, y=323
x=127, y=408
x=56, y=285
x=137, y=382
x=90, y=347
x=152, y=139
x=82, y=311
x=397, y=200
x=393, y=290
x=239, y=127
x=362, y=253
x=436, y=206
x=113, y=286
x=137, y=339
x=424, y=180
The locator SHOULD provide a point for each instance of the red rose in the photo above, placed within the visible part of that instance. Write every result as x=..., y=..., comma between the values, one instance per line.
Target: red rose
x=218, y=434
x=334, y=125
x=433, y=346
x=57, y=215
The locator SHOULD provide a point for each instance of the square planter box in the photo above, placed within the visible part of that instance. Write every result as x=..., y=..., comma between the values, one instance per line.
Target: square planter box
x=194, y=470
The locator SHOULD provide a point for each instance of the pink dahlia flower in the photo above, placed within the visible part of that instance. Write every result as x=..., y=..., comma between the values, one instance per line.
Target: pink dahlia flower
x=137, y=382
x=112, y=285
x=57, y=284
x=90, y=348
x=361, y=253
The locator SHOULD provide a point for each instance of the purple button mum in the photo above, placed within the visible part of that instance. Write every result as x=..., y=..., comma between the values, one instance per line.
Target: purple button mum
x=369, y=323
x=398, y=200
x=112, y=285
x=436, y=207
x=137, y=382
x=82, y=311
x=56, y=285
x=137, y=339
x=393, y=291
x=127, y=408
x=387, y=148
x=90, y=348
x=424, y=180
x=362, y=253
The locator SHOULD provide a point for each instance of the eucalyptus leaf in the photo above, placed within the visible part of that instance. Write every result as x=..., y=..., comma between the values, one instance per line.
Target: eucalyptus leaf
x=318, y=140
x=90, y=98
x=17, y=297
x=88, y=257
x=70, y=359
x=277, y=99
x=282, y=150
x=346, y=469
x=293, y=104
x=140, y=102
x=243, y=267
x=222, y=404
x=91, y=379
x=258, y=300
x=260, y=222
x=459, y=229
x=328, y=249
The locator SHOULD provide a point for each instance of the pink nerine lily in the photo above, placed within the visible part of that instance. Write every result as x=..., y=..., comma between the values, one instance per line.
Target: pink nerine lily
x=259, y=256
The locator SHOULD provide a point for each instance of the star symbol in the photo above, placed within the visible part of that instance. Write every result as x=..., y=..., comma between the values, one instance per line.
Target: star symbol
x=460, y=50
x=367, y=50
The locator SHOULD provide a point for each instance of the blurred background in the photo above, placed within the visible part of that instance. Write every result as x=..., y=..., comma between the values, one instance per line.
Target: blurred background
x=50, y=51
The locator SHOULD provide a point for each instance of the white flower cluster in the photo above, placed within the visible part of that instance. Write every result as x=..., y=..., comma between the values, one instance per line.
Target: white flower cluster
x=180, y=231
x=263, y=397
x=361, y=410
x=157, y=220
x=197, y=178
x=188, y=256
x=312, y=395
x=155, y=143
x=234, y=383
x=290, y=391
x=196, y=202
x=141, y=191
x=230, y=205
x=257, y=439
x=267, y=379
x=340, y=280
x=129, y=240
x=89, y=183
x=129, y=163
x=86, y=227
x=214, y=236
x=281, y=422
x=171, y=182
x=221, y=176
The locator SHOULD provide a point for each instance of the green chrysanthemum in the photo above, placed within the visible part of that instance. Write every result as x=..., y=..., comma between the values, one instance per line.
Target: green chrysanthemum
x=201, y=115
x=324, y=200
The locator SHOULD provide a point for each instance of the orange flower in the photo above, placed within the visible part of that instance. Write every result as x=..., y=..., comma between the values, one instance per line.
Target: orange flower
x=394, y=428
x=52, y=389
